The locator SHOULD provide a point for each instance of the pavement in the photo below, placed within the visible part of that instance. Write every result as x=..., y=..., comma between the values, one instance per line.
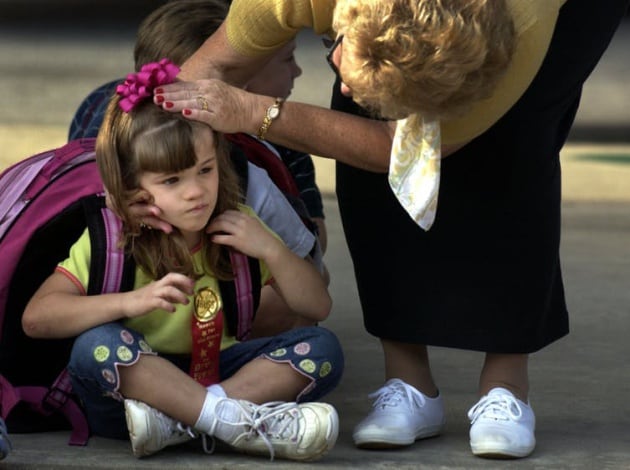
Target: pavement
x=579, y=385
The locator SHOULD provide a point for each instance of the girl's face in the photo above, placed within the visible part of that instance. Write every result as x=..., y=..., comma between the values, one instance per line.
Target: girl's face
x=277, y=76
x=187, y=198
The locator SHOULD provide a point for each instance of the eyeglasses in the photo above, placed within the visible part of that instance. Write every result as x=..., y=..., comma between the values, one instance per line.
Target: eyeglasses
x=332, y=45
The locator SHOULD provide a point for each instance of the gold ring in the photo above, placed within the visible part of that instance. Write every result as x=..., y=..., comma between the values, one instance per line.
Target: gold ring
x=203, y=103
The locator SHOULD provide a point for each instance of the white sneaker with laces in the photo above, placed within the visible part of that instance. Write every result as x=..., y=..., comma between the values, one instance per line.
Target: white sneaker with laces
x=151, y=430
x=502, y=426
x=400, y=416
x=291, y=431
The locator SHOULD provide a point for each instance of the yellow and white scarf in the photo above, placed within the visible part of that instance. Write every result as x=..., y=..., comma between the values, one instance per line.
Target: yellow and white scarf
x=414, y=168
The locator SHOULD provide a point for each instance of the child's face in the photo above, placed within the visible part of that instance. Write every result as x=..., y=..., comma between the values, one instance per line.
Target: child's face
x=188, y=198
x=276, y=78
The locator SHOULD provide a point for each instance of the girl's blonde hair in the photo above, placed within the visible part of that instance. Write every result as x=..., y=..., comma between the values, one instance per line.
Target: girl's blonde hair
x=433, y=57
x=151, y=139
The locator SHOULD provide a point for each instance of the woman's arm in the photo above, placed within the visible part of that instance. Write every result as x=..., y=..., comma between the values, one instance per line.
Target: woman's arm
x=357, y=141
x=252, y=31
x=59, y=309
x=216, y=58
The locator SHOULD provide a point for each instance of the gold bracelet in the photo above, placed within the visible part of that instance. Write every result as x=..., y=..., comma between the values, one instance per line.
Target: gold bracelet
x=272, y=113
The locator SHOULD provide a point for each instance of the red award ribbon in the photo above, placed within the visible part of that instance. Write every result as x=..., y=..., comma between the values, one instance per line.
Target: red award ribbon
x=206, y=331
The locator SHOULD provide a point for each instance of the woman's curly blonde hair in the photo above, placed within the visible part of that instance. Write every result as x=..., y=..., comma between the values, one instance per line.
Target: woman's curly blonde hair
x=434, y=57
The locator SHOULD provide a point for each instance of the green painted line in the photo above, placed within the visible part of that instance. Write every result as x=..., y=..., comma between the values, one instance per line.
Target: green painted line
x=614, y=158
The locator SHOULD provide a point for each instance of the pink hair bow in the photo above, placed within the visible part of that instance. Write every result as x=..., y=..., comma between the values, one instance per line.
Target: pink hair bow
x=140, y=85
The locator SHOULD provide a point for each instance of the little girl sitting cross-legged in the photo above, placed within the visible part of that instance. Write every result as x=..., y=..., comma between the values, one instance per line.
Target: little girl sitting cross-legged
x=160, y=364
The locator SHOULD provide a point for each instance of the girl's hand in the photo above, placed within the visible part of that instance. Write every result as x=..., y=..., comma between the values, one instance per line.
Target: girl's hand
x=244, y=233
x=221, y=106
x=162, y=294
x=296, y=280
x=147, y=214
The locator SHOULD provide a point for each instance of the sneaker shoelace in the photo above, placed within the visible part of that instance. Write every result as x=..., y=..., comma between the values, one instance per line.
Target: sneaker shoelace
x=273, y=420
x=391, y=395
x=204, y=440
x=170, y=428
x=497, y=406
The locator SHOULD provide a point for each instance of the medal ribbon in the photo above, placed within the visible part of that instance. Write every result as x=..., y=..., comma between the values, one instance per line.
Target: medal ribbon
x=206, y=332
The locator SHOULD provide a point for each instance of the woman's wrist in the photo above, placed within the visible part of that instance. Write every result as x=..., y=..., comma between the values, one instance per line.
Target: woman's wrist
x=271, y=113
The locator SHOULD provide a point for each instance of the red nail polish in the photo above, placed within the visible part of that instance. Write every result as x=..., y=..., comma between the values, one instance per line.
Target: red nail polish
x=159, y=99
x=159, y=91
x=187, y=112
x=168, y=104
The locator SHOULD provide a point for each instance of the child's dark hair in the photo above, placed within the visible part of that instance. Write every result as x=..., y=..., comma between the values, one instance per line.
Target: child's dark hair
x=151, y=139
x=177, y=29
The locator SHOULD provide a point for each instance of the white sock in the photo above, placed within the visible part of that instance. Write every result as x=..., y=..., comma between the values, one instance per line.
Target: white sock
x=217, y=390
x=229, y=410
x=207, y=416
x=206, y=420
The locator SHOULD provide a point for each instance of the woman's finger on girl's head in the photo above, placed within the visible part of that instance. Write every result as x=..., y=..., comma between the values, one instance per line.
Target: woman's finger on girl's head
x=180, y=91
x=194, y=114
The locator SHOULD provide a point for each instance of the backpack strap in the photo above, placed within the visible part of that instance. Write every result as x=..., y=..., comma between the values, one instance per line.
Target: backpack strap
x=240, y=163
x=260, y=155
x=241, y=296
x=47, y=400
x=111, y=270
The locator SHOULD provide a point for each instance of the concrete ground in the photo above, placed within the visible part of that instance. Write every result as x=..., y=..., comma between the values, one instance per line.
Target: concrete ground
x=579, y=385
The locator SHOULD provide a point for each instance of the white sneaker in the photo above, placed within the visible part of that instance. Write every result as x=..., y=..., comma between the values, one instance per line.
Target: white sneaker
x=401, y=415
x=151, y=430
x=292, y=431
x=502, y=426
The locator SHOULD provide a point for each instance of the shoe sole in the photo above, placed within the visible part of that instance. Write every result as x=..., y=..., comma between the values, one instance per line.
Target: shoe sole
x=378, y=442
x=493, y=452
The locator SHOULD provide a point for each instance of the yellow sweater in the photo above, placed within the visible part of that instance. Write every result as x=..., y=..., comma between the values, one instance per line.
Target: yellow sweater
x=257, y=27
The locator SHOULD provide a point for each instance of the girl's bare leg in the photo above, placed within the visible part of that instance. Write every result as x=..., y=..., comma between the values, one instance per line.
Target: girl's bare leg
x=160, y=384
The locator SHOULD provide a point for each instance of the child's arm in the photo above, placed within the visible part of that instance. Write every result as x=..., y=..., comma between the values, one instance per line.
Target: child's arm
x=59, y=309
x=296, y=279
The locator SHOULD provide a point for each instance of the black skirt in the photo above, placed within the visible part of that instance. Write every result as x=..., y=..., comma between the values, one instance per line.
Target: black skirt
x=487, y=275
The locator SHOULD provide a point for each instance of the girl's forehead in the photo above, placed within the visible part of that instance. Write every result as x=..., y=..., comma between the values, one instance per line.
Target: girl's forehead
x=203, y=135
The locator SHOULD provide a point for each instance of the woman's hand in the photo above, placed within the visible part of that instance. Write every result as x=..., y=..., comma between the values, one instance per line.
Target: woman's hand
x=223, y=107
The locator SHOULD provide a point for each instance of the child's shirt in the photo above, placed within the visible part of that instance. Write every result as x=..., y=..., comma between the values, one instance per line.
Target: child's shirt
x=166, y=332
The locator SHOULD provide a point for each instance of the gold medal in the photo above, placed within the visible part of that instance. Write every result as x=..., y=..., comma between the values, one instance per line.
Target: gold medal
x=207, y=305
